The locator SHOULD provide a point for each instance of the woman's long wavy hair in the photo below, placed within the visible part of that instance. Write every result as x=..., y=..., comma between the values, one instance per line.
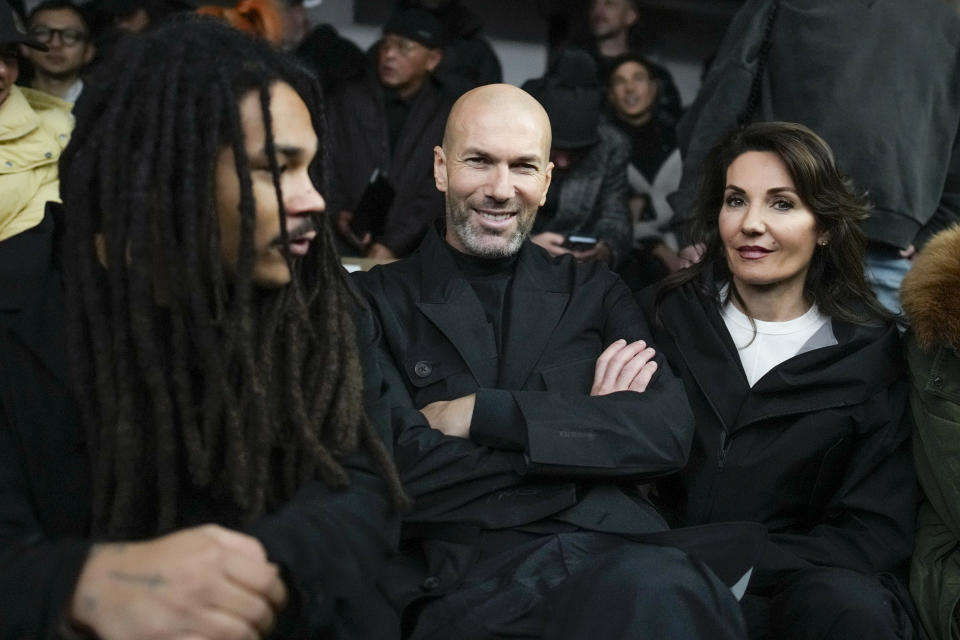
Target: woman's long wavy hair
x=194, y=383
x=835, y=281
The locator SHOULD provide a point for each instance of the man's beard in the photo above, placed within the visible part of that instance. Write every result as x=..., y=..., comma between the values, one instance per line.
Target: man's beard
x=480, y=242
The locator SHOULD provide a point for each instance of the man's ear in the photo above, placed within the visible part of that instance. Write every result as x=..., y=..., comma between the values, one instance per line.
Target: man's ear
x=440, y=169
x=90, y=52
x=547, y=177
x=434, y=57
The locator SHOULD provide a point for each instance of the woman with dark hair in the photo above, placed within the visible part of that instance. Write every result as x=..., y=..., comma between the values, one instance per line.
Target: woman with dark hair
x=794, y=373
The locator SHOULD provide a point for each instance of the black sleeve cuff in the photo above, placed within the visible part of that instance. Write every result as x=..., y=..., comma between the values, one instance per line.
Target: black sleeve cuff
x=497, y=421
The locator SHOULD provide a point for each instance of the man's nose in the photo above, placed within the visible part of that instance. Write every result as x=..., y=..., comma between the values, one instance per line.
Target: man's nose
x=303, y=200
x=500, y=187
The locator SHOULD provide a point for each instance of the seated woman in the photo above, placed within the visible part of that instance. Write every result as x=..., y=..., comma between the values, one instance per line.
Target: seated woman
x=654, y=167
x=929, y=297
x=794, y=374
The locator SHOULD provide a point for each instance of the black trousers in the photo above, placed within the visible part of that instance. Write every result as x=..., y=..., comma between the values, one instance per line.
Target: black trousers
x=584, y=585
x=828, y=603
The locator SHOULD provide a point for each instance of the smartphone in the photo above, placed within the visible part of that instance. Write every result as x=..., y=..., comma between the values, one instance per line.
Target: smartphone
x=580, y=243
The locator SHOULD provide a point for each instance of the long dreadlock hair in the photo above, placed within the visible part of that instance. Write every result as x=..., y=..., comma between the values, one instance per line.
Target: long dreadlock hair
x=190, y=378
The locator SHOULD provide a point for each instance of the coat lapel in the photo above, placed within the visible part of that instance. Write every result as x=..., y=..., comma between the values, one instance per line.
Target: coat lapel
x=450, y=303
x=538, y=298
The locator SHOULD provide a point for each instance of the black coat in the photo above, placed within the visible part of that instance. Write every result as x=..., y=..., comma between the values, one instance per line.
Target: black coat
x=817, y=450
x=329, y=541
x=359, y=144
x=541, y=448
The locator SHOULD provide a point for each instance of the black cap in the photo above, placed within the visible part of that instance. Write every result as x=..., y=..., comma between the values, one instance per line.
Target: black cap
x=418, y=25
x=11, y=31
x=571, y=96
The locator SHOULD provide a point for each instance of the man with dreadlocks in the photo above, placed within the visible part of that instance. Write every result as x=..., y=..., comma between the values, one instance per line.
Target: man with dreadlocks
x=217, y=471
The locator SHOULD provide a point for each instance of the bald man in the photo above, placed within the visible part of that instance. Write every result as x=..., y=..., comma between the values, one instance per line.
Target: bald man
x=545, y=411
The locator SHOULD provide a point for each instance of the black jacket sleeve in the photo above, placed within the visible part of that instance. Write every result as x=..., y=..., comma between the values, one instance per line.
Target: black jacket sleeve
x=564, y=431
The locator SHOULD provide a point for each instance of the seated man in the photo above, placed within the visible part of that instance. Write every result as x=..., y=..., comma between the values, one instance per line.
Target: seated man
x=183, y=452
x=392, y=135
x=64, y=28
x=613, y=27
x=589, y=156
x=525, y=479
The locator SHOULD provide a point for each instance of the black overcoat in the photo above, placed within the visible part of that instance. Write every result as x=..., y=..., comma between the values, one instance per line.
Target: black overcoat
x=359, y=144
x=556, y=454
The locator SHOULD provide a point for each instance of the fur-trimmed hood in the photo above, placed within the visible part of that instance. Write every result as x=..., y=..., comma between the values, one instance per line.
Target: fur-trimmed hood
x=930, y=293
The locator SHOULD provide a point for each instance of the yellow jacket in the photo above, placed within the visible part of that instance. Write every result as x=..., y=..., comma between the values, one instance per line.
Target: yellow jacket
x=34, y=129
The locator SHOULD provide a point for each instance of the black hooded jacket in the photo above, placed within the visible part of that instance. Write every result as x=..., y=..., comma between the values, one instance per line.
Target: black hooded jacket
x=817, y=450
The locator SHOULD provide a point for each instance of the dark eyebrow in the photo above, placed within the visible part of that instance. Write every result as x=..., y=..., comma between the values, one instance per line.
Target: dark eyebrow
x=527, y=159
x=782, y=190
x=773, y=191
x=531, y=159
x=287, y=150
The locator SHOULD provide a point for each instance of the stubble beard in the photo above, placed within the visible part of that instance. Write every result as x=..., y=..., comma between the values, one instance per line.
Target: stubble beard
x=480, y=242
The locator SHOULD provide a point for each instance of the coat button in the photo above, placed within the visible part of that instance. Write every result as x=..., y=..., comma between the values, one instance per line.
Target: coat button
x=422, y=369
x=936, y=382
x=431, y=583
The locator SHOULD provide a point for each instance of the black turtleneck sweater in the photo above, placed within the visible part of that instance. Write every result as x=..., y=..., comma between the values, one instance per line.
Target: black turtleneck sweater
x=490, y=279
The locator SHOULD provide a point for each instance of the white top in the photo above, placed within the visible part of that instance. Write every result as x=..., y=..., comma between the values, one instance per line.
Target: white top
x=770, y=343
x=74, y=92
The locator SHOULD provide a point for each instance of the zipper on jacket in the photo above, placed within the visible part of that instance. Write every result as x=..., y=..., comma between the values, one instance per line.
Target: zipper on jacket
x=715, y=478
x=724, y=448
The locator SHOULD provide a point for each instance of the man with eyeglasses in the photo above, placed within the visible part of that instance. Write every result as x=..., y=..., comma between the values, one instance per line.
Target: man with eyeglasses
x=63, y=27
x=392, y=136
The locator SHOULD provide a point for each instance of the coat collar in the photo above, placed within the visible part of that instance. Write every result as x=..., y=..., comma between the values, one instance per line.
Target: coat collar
x=930, y=288
x=538, y=297
x=864, y=360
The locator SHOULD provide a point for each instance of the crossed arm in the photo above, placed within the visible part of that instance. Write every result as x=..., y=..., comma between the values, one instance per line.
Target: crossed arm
x=622, y=366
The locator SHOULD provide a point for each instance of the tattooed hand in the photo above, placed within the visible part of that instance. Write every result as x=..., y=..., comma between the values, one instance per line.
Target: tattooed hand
x=204, y=582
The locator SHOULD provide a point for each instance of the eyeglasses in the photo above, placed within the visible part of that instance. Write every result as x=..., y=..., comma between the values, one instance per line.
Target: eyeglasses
x=68, y=37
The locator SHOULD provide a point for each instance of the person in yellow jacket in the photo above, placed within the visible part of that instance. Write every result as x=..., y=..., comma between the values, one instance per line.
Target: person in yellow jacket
x=34, y=129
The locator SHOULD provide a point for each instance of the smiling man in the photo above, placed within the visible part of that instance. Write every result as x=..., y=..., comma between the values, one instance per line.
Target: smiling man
x=546, y=409
x=203, y=387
